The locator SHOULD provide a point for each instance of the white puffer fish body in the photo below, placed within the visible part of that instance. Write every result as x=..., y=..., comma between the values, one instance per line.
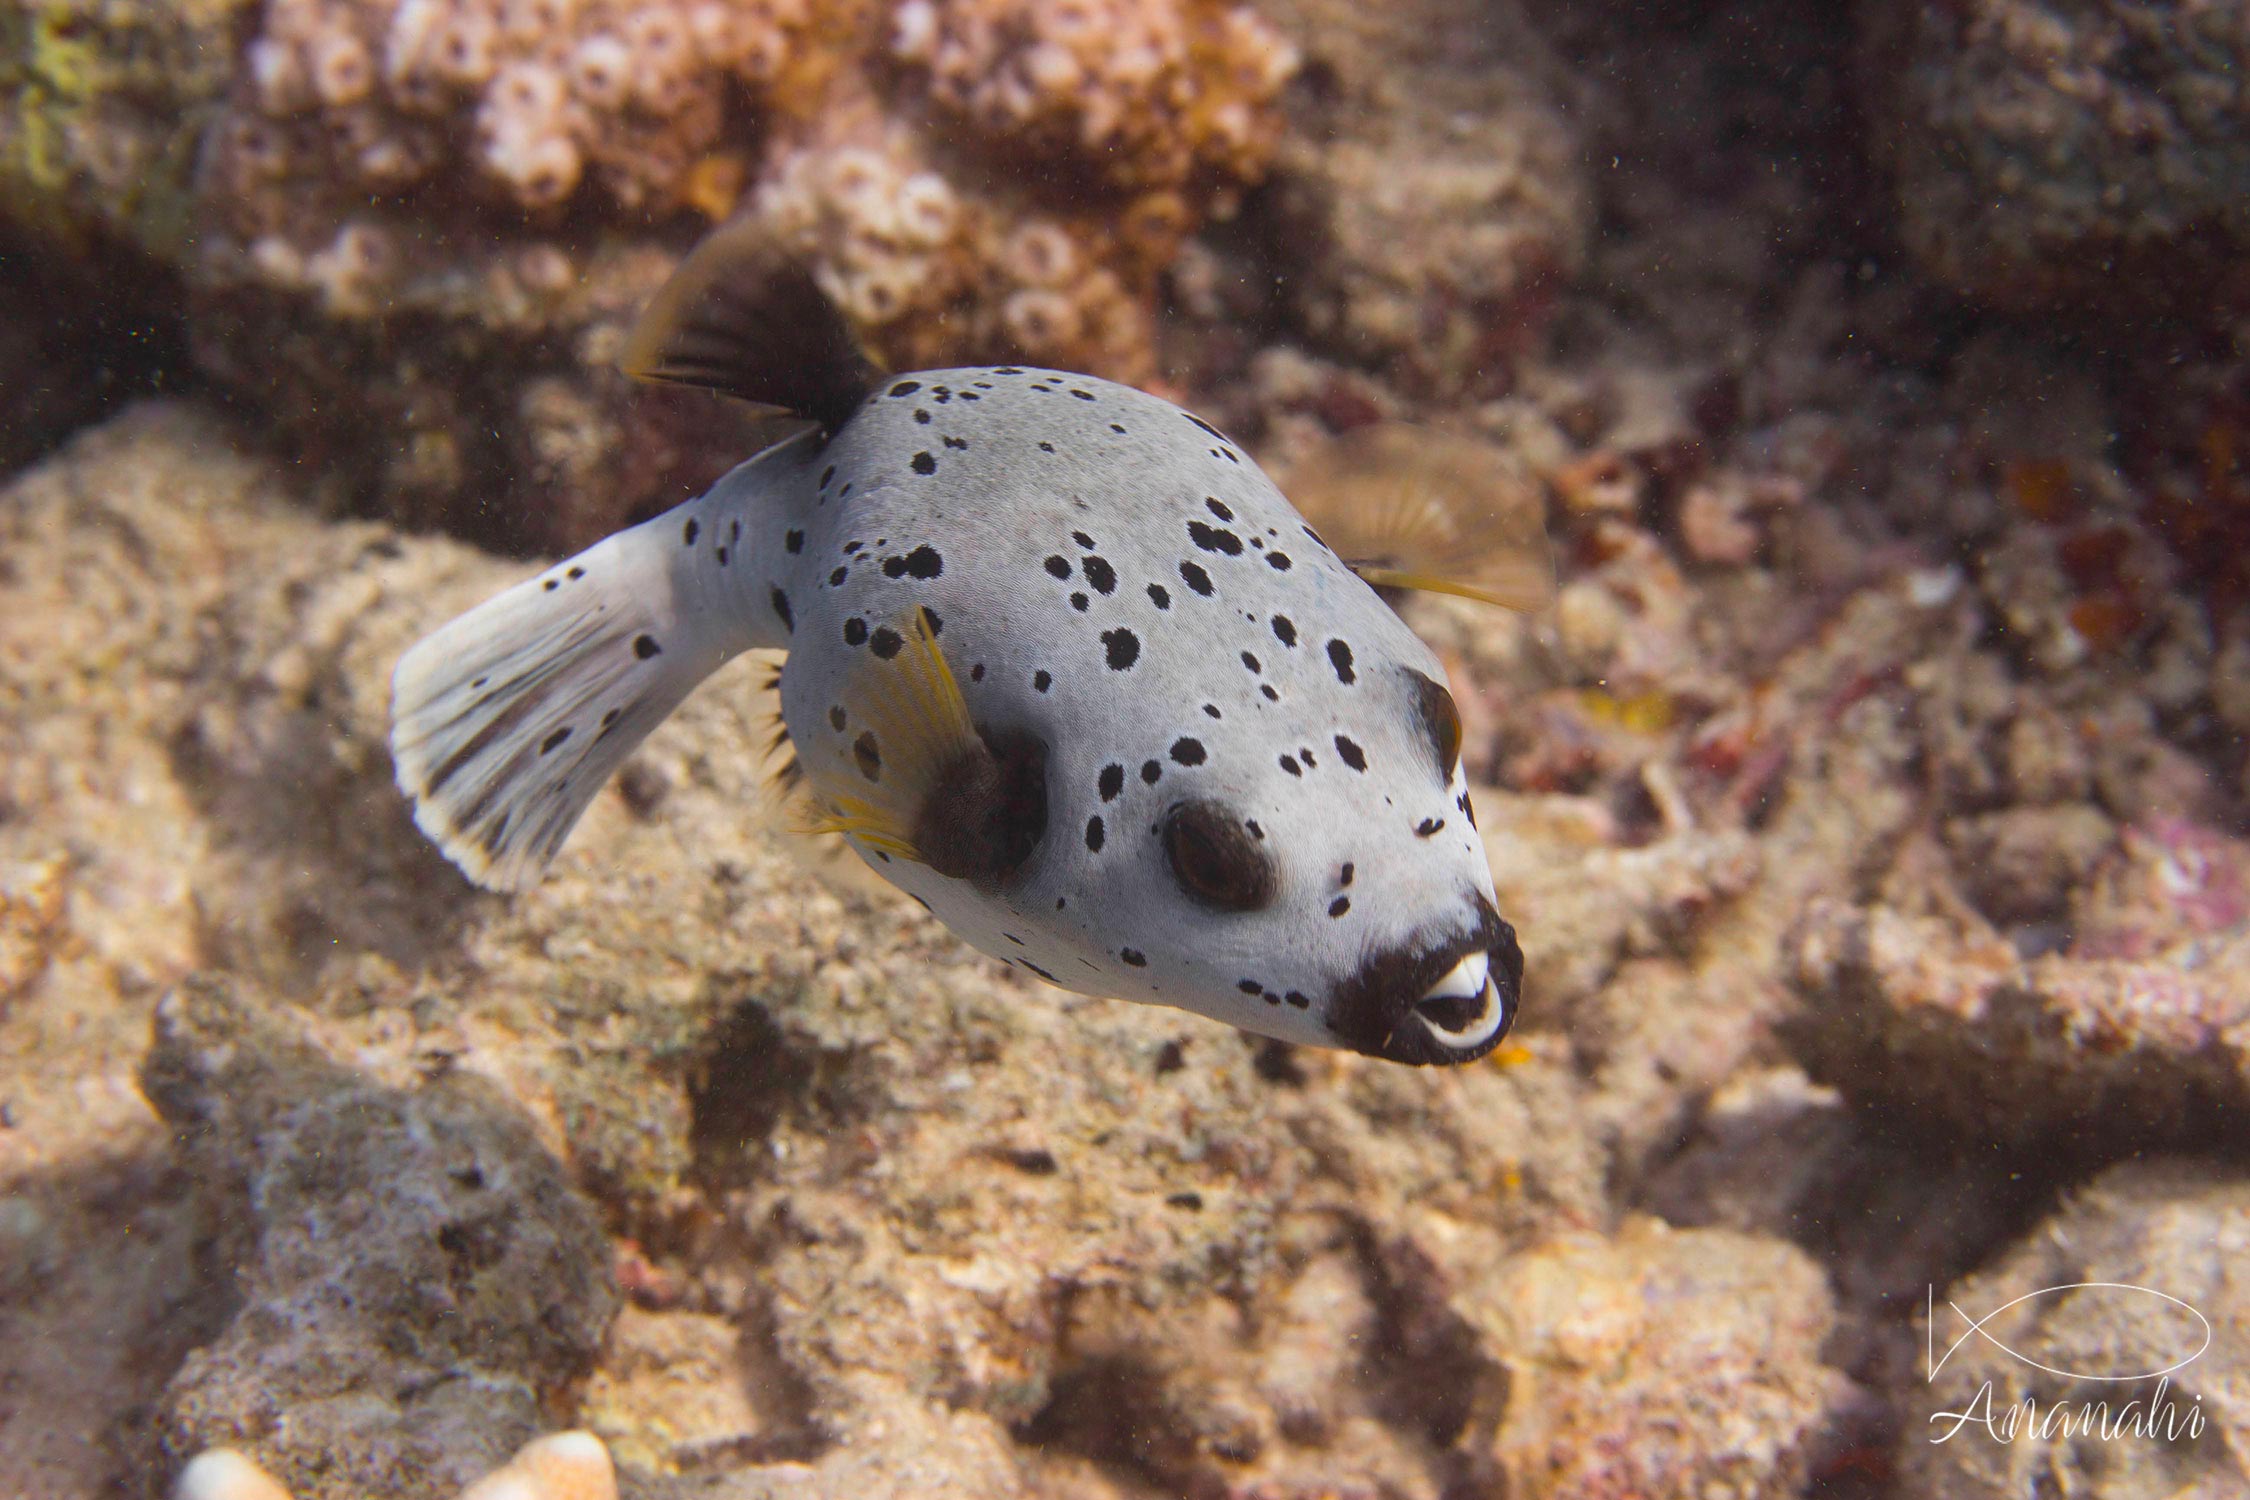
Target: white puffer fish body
x=1065, y=666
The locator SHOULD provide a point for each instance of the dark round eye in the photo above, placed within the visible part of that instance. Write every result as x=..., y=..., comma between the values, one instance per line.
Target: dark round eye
x=1215, y=859
x=1441, y=721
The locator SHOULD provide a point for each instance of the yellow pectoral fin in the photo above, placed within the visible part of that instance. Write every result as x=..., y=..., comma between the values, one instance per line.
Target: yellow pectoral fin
x=1418, y=508
x=905, y=730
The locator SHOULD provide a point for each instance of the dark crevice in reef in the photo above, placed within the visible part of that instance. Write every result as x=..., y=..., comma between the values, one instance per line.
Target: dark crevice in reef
x=750, y=1074
x=81, y=336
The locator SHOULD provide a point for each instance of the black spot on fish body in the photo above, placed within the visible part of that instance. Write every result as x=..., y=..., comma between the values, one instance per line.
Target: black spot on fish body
x=1058, y=566
x=855, y=631
x=1196, y=578
x=924, y=562
x=1267, y=689
x=1041, y=681
x=1278, y=561
x=1133, y=956
x=1042, y=973
x=1110, y=782
x=1468, y=808
x=1344, y=876
x=836, y=578
x=783, y=612
x=837, y=718
x=1217, y=508
x=1094, y=834
x=793, y=540
x=826, y=475
x=1340, y=657
x=1339, y=906
x=1428, y=827
x=1159, y=596
x=722, y=556
x=1083, y=395
x=1206, y=426
x=1188, y=751
x=1285, y=630
x=690, y=532
x=1101, y=575
x=1211, y=711
x=922, y=415
x=1121, y=647
x=1299, y=1000
x=1249, y=986
x=885, y=642
x=1079, y=602
x=906, y=388
x=645, y=646
x=1214, y=539
x=552, y=584
x=575, y=573
x=1151, y=772
x=1289, y=764
x=923, y=463
x=1046, y=447
x=554, y=741
x=1083, y=540
x=958, y=444
x=868, y=755
x=1251, y=662
x=1352, y=755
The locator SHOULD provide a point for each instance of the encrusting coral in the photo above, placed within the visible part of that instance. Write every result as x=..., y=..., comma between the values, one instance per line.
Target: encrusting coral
x=560, y=1466
x=412, y=231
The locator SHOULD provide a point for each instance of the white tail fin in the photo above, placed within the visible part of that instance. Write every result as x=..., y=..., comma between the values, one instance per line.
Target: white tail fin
x=506, y=722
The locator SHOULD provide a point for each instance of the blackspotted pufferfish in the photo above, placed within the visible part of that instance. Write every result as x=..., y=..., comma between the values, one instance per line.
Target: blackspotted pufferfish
x=1063, y=664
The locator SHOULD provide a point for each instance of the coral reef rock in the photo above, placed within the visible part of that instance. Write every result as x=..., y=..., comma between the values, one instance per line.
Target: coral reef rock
x=418, y=1278
x=1660, y=1362
x=2096, y=1056
x=2128, y=1278
x=412, y=232
x=2089, y=149
x=1434, y=186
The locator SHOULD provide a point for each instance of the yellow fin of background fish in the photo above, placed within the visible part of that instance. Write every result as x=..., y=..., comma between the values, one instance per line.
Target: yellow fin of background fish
x=906, y=723
x=1421, y=508
x=743, y=317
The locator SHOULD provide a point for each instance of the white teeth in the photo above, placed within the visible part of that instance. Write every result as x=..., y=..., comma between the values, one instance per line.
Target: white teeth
x=1462, y=980
x=1466, y=979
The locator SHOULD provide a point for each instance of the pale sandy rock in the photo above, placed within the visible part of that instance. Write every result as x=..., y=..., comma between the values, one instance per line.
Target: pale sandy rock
x=2179, y=1229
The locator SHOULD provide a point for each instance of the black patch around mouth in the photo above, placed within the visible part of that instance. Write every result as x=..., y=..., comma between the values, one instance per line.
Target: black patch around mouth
x=1374, y=1010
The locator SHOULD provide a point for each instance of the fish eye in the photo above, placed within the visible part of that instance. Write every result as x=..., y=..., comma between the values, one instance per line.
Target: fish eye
x=1215, y=860
x=1441, y=721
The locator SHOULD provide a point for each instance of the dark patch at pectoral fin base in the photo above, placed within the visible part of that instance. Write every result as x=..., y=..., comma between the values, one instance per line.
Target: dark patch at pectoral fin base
x=744, y=317
x=1418, y=508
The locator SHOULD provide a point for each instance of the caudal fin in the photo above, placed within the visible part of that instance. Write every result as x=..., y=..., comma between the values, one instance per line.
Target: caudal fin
x=507, y=721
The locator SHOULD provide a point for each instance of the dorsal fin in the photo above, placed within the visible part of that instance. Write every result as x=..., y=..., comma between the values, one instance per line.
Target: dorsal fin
x=1422, y=508
x=743, y=317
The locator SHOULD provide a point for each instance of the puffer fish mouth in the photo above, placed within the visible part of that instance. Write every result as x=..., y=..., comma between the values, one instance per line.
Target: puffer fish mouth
x=1447, y=1002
